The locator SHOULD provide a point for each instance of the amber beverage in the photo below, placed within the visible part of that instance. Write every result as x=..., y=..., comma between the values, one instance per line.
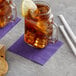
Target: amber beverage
x=6, y=9
x=38, y=26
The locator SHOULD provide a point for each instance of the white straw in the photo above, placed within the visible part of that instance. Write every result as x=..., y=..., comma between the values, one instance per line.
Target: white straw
x=68, y=29
x=68, y=39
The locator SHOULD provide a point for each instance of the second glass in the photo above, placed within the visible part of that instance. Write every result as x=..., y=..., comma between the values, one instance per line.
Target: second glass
x=8, y=12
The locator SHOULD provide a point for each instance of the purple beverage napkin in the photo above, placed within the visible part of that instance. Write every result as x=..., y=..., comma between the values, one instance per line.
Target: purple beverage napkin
x=8, y=27
x=39, y=56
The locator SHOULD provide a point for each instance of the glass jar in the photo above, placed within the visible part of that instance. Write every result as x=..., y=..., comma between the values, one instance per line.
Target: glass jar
x=39, y=27
x=8, y=12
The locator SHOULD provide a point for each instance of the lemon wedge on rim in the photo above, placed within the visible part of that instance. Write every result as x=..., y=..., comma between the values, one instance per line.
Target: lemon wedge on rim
x=26, y=5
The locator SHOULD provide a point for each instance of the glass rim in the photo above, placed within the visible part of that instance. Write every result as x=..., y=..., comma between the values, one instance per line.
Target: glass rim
x=45, y=3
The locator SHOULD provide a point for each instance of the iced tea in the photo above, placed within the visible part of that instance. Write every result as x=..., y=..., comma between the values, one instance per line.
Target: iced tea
x=5, y=13
x=38, y=27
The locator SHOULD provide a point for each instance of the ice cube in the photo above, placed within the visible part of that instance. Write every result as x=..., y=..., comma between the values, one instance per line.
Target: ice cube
x=42, y=26
x=40, y=43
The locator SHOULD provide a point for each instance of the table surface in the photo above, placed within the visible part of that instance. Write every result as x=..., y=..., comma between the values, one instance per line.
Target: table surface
x=62, y=63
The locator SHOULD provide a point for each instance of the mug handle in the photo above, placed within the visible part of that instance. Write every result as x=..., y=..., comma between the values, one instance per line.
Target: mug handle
x=14, y=10
x=54, y=37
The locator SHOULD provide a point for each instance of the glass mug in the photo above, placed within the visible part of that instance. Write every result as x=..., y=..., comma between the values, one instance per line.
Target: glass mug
x=8, y=12
x=39, y=27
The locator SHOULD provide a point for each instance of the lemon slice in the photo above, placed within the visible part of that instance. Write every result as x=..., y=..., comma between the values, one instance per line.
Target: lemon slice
x=26, y=5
